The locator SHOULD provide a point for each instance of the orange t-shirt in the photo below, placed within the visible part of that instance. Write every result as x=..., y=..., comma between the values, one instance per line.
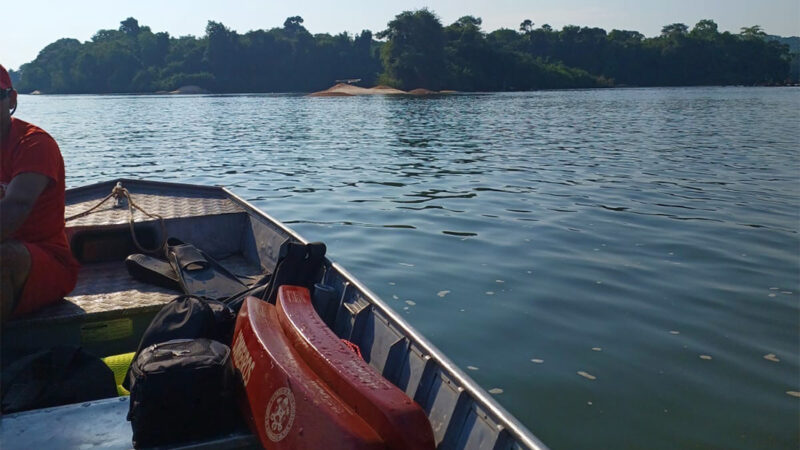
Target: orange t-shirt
x=28, y=148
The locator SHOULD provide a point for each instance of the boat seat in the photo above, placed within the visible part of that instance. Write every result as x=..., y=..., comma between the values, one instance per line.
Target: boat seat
x=96, y=424
x=106, y=313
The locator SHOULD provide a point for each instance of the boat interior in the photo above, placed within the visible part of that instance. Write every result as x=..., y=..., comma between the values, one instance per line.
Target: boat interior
x=108, y=311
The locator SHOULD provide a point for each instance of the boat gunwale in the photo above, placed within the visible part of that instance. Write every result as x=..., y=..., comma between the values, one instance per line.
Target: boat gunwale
x=147, y=183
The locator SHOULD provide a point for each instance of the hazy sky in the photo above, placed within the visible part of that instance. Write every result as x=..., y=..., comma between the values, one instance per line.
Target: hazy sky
x=29, y=25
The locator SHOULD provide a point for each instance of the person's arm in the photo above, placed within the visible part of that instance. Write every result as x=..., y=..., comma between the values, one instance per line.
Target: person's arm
x=17, y=203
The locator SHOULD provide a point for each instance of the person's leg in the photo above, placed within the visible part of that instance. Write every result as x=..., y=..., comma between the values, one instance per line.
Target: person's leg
x=15, y=265
x=49, y=280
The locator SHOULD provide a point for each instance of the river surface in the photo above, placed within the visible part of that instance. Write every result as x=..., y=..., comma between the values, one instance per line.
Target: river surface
x=619, y=268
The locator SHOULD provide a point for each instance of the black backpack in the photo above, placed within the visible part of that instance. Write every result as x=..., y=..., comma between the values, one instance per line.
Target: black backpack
x=187, y=317
x=57, y=376
x=182, y=390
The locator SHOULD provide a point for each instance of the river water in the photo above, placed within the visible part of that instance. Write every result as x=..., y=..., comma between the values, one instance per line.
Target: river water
x=619, y=268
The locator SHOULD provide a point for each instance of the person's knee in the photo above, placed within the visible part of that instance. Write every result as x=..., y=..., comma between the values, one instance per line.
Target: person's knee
x=15, y=261
x=15, y=265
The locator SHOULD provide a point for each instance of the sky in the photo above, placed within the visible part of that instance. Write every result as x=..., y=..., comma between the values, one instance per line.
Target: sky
x=30, y=25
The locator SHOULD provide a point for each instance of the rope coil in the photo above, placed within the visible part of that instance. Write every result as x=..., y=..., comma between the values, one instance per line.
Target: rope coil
x=119, y=193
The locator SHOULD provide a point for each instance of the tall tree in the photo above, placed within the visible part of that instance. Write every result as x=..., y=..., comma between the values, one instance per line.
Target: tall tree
x=674, y=29
x=413, y=55
x=467, y=55
x=753, y=32
x=294, y=24
x=130, y=26
x=705, y=29
x=222, y=55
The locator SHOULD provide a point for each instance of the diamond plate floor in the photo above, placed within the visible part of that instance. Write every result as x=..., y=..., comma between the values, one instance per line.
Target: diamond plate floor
x=106, y=289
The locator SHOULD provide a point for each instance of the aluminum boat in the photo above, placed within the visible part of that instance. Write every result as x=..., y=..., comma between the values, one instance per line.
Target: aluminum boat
x=109, y=310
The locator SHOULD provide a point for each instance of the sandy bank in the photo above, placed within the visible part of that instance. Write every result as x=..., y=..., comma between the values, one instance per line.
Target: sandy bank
x=191, y=89
x=331, y=94
x=348, y=90
x=420, y=91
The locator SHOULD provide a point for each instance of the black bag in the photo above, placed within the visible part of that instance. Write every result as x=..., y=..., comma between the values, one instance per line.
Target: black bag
x=58, y=376
x=182, y=390
x=188, y=317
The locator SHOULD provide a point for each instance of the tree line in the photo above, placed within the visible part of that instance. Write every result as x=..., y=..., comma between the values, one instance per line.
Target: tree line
x=415, y=51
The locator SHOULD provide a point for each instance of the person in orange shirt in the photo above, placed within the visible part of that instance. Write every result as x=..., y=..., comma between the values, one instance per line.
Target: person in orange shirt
x=36, y=265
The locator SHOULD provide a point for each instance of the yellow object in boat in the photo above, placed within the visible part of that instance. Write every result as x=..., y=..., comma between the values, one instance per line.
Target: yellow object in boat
x=119, y=365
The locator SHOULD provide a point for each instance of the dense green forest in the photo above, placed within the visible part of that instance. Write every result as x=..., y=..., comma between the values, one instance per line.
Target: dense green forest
x=415, y=50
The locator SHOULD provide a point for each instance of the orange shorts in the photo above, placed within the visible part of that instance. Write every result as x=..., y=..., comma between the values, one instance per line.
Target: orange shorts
x=49, y=280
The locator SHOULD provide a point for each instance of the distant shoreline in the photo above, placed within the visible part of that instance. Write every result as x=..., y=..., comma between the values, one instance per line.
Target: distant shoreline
x=432, y=93
x=460, y=56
